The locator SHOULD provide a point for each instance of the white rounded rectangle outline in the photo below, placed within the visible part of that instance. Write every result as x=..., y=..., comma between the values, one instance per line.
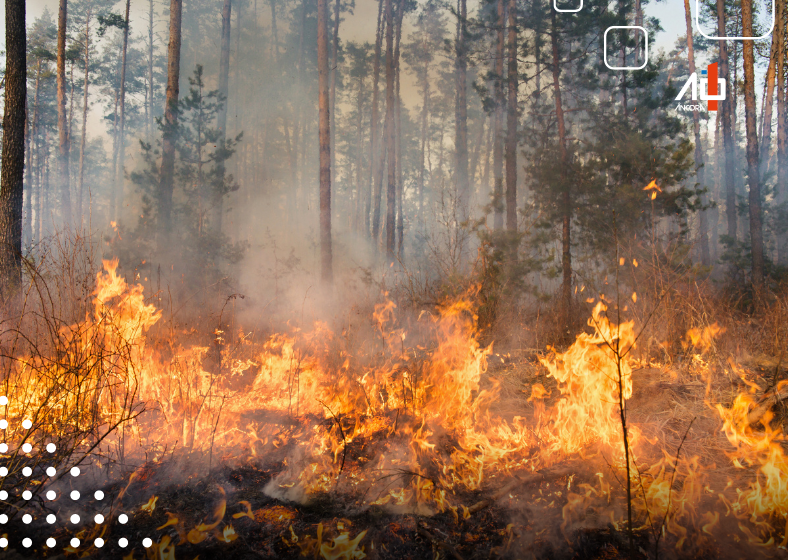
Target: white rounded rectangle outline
x=604, y=42
x=700, y=30
x=555, y=7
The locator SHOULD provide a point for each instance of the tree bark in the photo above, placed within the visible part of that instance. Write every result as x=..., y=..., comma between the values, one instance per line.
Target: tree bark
x=782, y=137
x=461, y=118
x=768, y=106
x=377, y=161
x=83, y=139
x=120, y=177
x=217, y=206
x=324, y=132
x=423, y=147
x=498, y=134
x=398, y=132
x=511, y=123
x=170, y=125
x=727, y=133
x=333, y=91
x=753, y=163
x=62, y=123
x=566, y=198
x=699, y=169
x=12, y=167
x=391, y=184
x=150, y=71
x=32, y=126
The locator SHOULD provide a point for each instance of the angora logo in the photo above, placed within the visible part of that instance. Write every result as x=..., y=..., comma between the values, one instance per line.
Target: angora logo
x=712, y=89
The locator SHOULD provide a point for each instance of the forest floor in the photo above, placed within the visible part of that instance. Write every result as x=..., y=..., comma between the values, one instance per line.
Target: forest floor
x=226, y=513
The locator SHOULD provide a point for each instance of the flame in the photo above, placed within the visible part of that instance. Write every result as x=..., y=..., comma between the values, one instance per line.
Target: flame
x=151, y=505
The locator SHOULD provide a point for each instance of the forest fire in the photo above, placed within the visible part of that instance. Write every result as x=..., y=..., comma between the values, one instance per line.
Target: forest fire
x=393, y=280
x=404, y=426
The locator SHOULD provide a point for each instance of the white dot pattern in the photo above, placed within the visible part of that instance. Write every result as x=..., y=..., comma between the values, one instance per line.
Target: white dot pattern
x=51, y=543
x=99, y=519
x=51, y=447
x=74, y=495
x=51, y=518
x=75, y=519
x=146, y=542
x=27, y=495
x=75, y=543
x=75, y=471
x=99, y=495
x=99, y=542
x=27, y=471
x=27, y=543
x=123, y=543
x=51, y=472
x=27, y=424
x=27, y=448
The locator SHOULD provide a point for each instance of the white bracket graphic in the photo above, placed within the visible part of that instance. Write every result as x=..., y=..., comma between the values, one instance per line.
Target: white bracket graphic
x=645, y=33
x=555, y=7
x=700, y=29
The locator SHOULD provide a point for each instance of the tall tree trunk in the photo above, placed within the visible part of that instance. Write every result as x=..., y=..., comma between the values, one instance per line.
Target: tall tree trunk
x=423, y=148
x=217, y=206
x=566, y=199
x=461, y=117
x=121, y=177
x=170, y=125
x=12, y=168
x=768, y=107
x=498, y=134
x=360, y=189
x=699, y=170
x=782, y=136
x=398, y=132
x=62, y=123
x=753, y=175
x=333, y=91
x=150, y=71
x=83, y=139
x=511, y=123
x=29, y=180
x=324, y=132
x=391, y=184
x=375, y=159
x=727, y=133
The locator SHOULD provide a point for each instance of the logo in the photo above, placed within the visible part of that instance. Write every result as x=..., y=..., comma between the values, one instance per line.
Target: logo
x=712, y=89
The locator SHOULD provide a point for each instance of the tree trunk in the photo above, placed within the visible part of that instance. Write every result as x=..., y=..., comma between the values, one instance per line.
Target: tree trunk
x=498, y=134
x=360, y=189
x=461, y=118
x=217, y=206
x=398, y=132
x=324, y=131
x=83, y=139
x=768, y=107
x=511, y=123
x=170, y=125
x=753, y=175
x=12, y=168
x=120, y=178
x=32, y=125
x=375, y=159
x=727, y=133
x=566, y=199
x=423, y=147
x=150, y=71
x=699, y=169
x=62, y=123
x=391, y=184
x=333, y=91
x=782, y=161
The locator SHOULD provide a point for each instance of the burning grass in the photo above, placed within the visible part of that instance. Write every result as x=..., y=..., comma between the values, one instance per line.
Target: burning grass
x=396, y=440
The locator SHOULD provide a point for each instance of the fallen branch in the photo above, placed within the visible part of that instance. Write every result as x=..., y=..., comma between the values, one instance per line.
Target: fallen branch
x=440, y=543
x=766, y=402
